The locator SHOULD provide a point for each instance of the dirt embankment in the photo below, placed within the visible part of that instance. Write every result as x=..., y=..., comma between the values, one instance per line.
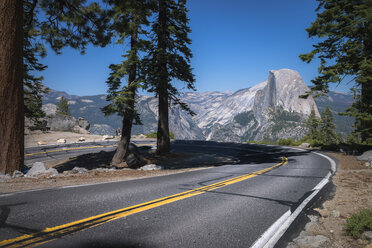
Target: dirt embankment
x=353, y=181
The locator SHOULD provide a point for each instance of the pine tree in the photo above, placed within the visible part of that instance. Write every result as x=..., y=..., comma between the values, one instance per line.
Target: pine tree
x=129, y=18
x=312, y=125
x=168, y=60
x=62, y=107
x=64, y=23
x=345, y=49
x=11, y=87
x=327, y=127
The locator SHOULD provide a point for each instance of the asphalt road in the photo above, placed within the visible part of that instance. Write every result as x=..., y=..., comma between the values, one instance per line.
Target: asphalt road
x=225, y=206
x=52, y=153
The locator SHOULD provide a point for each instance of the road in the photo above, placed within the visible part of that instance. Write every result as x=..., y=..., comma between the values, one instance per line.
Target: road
x=52, y=153
x=225, y=206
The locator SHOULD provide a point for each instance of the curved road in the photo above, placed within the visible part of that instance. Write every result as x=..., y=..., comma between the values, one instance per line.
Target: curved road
x=225, y=206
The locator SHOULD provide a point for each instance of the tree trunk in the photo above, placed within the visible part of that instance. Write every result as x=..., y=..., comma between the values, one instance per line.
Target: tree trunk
x=11, y=86
x=163, y=141
x=122, y=150
x=366, y=89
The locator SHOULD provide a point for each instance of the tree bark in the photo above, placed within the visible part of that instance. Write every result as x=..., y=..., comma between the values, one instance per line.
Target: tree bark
x=11, y=86
x=163, y=140
x=122, y=150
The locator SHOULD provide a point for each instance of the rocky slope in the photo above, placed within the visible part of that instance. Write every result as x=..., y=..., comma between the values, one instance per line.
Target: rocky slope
x=270, y=110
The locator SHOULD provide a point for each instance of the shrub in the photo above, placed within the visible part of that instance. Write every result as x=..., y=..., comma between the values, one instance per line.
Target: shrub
x=358, y=223
x=288, y=142
x=154, y=135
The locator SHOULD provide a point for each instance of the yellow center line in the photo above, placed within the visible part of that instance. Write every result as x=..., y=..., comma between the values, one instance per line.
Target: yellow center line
x=78, y=148
x=49, y=234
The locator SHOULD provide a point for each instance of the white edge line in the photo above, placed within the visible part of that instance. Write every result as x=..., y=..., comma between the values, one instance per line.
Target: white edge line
x=271, y=236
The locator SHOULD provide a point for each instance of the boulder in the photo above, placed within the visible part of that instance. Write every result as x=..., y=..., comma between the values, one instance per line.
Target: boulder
x=79, y=170
x=134, y=160
x=107, y=137
x=80, y=130
x=83, y=123
x=151, y=167
x=313, y=241
x=36, y=169
x=141, y=136
x=61, y=141
x=366, y=156
x=367, y=235
x=305, y=145
x=4, y=177
x=17, y=173
x=59, y=122
x=81, y=139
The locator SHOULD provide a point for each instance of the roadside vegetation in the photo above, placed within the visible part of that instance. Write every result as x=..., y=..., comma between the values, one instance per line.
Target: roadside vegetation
x=359, y=223
x=154, y=135
x=321, y=134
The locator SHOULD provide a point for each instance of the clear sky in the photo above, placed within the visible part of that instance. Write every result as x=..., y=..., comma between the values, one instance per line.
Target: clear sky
x=235, y=44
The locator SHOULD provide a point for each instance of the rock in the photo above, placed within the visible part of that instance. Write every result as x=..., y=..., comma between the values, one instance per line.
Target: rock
x=41, y=143
x=83, y=123
x=367, y=164
x=52, y=172
x=322, y=212
x=305, y=145
x=78, y=129
x=17, y=173
x=107, y=137
x=335, y=213
x=61, y=141
x=313, y=241
x=367, y=235
x=4, y=177
x=36, y=169
x=79, y=170
x=135, y=160
x=81, y=139
x=60, y=122
x=366, y=156
x=141, y=136
x=104, y=169
x=292, y=245
x=151, y=167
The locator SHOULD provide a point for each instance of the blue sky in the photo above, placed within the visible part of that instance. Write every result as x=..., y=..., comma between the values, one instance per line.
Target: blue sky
x=235, y=44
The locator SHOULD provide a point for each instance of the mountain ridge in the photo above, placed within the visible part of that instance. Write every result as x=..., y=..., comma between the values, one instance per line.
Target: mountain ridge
x=268, y=110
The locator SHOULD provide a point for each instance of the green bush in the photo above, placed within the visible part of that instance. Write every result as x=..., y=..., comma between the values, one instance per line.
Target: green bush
x=154, y=135
x=288, y=142
x=358, y=223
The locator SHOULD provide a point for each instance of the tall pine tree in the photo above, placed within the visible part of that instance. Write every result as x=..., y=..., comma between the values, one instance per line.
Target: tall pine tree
x=312, y=125
x=345, y=49
x=327, y=127
x=168, y=61
x=72, y=23
x=62, y=107
x=129, y=19
x=11, y=86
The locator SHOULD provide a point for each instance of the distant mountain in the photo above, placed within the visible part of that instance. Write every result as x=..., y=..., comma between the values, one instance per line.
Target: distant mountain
x=269, y=110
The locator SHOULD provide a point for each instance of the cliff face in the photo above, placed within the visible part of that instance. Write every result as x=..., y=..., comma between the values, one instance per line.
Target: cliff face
x=271, y=109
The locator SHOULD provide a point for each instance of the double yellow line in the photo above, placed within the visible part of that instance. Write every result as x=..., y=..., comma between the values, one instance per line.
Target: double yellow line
x=52, y=233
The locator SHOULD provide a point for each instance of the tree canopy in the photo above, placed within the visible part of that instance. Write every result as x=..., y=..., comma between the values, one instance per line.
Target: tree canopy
x=345, y=50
